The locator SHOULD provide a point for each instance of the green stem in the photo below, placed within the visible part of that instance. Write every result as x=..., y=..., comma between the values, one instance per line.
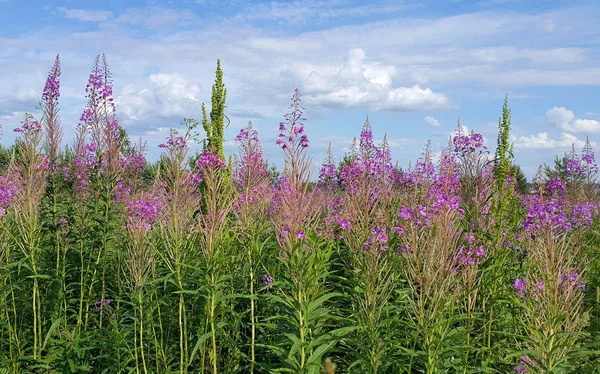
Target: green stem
x=252, y=318
x=182, y=328
x=212, y=322
x=81, y=289
x=91, y=285
x=140, y=300
x=35, y=318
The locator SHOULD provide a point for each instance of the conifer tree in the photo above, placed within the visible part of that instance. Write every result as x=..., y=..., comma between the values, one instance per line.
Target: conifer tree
x=214, y=124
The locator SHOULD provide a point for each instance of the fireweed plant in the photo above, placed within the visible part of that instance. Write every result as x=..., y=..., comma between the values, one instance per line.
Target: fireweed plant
x=364, y=221
x=190, y=264
x=250, y=209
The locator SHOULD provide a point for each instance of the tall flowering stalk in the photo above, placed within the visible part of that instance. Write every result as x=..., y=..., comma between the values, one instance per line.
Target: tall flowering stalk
x=141, y=213
x=590, y=168
x=550, y=292
x=506, y=213
x=98, y=122
x=294, y=200
x=365, y=220
x=250, y=179
x=475, y=175
x=52, y=142
x=176, y=227
x=216, y=202
x=467, y=267
x=9, y=185
x=429, y=243
x=328, y=171
x=100, y=116
x=50, y=118
x=79, y=174
x=580, y=173
x=294, y=142
x=33, y=168
x=300, y=288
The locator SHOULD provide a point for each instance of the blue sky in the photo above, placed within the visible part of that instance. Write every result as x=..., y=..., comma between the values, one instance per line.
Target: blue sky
x=415, y=67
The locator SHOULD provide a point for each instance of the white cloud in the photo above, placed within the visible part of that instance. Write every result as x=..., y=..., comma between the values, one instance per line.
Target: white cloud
x=565, y=120
x=300, y=12
x=26, y=94
x=415, y=98
x=86, y=15
x=358, y=83
x=12, y=115
x=542, y=141
x=429, y=120
x=154, y=17
x=162, y=97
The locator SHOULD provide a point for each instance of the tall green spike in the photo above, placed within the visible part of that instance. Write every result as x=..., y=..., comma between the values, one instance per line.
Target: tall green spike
x=504, y=151
x=215, y=126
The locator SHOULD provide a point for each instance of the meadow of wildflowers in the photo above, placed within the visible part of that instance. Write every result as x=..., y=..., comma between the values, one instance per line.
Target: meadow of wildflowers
x=194, y=263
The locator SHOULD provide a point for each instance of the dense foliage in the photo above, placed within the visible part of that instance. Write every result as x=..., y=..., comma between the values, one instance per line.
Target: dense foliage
x=112, y=264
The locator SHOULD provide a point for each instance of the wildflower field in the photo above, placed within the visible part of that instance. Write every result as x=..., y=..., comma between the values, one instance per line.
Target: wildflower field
x=202, y=263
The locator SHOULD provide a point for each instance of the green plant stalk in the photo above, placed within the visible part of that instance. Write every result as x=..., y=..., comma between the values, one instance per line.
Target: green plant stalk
x=135, y=345
x=162, y=337
x=12, y=329
x=59, y=269
x=60, y=257
x=431, y=364
x=469, y=328
x=182, y=325
x=17, y=341
x=29, y=248
x=82, y=277
x=252, y=317
x=36, y=322
x=119, y=291
x=490, y=321
x=302, y=331
x=373, y=292
x=548, y=352
x=213, y=332
x=105, y=234
x=141, y=331
x=373, y=354
x=158, y=351
x=91, y=285
x=156, y=345
x=85, y=277
x=63, y=277
x=5, y=282
x=35, y=297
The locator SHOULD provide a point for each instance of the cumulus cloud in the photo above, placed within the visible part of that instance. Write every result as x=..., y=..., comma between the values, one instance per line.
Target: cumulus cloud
x=565, y=120
x=542, y=141
x=163, y=97
x=414, y=98
x=359, y=83
x=429, y=120
x=86, y=15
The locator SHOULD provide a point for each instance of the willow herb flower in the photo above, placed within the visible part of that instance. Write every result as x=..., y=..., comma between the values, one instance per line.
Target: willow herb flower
x=520, y=287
